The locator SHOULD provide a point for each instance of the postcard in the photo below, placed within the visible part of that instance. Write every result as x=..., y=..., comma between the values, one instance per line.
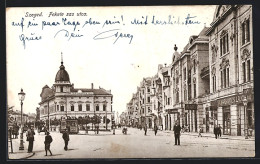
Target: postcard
x=130, y=82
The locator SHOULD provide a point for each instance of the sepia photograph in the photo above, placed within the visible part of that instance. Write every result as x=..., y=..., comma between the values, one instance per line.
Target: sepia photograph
x=124, y=82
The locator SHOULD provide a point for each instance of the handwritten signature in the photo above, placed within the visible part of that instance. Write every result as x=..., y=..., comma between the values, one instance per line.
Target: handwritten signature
x=68, y=34
x=114, y=34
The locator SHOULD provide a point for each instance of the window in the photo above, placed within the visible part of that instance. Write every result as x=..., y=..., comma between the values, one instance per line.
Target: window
x=224, y=48
x=97, y=108
x=185, y=93
x=246, y=71
x=184, y=73
x=245, y=32
x=57, y=107
x=149, y=110
x=194, y=66
x=72, y=108
x=143, y=110
x=61, y=89
x=143, y=101
x=87, y=107
x=189, y=84
x=221, y=76
x=104, y=107
x=169, y=101
x=62, y=108
x=80, y=107
x=148, y=90
x=194, y=88
x=214, y=86
x=148, y=99
x=177, y=96
x=224, y=77
x=227, y=79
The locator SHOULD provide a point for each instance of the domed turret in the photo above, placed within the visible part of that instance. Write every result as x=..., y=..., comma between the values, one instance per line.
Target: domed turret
x=62, y=74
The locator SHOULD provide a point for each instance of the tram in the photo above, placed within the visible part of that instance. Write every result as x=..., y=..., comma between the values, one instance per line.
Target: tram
x=71, y=125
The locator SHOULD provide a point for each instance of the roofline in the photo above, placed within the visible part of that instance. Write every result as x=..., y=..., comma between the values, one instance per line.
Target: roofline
x=219, y=20
x=198, y=42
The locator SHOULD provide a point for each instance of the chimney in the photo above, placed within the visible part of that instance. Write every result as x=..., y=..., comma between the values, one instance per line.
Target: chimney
x=92, y=86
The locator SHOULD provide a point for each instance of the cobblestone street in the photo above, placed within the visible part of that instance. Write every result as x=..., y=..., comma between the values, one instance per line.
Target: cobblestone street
x=136, y=145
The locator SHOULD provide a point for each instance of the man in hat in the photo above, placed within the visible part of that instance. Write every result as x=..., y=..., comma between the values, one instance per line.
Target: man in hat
x=66, y=138
x=177, y=132
x=47, y=142
x=30, y=137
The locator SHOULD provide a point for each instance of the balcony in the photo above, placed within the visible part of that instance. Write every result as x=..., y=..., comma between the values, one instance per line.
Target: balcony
x=204, y=72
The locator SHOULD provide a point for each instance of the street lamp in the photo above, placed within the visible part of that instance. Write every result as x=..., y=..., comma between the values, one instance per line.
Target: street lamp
x=106, y=113
x=48, y=114
x=245, y=117
x=21, y=96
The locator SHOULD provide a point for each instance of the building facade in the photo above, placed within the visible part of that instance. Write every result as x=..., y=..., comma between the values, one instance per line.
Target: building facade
x=62, y=100
x=231, y=71
x=210, y=83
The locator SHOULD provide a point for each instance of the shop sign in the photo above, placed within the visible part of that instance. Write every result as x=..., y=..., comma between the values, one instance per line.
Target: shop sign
x=232, y=100
x=171, y=111
x=190, y=106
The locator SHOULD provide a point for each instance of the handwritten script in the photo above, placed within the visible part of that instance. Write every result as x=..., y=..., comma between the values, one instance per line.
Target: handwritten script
x=35, y=27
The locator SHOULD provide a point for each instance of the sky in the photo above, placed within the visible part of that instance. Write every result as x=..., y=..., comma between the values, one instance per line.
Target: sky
x=112, y=47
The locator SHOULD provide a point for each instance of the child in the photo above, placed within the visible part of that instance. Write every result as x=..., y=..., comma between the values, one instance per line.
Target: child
x=47, y=142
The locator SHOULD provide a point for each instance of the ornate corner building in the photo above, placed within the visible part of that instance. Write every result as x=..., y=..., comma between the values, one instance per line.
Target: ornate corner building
x=65, y=101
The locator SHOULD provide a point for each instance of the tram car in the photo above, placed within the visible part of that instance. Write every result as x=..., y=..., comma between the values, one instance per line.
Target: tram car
x=71, y=125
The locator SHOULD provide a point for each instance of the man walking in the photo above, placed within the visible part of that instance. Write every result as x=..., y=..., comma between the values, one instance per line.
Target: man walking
x=30, y=137
x=155, y=129
x=219, y=130
x=216, y=131
x=47, y=142
x=145, y=129
x=177, y=132
x=66, y=139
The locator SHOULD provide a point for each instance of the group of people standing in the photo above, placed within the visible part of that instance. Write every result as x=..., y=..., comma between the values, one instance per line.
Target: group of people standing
x=48, y=140
x=146, y=127
x=217, y=131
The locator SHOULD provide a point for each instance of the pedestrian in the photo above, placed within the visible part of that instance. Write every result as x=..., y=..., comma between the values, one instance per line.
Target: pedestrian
x=66, y=138
x=200, y=131
x=177, y=133
x=145, y=129
x=16, y=131
x=155, y=129
x=12, y=130
x=219, y=130
x=47, y=142
x=216, y=131
x=30, y=138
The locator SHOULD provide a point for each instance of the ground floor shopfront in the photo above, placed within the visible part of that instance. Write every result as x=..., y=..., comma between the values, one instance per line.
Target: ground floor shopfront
x=234, y=114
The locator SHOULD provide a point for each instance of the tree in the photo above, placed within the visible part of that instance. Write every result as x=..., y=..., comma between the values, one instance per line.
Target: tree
x=9, y=114
x=96, y=119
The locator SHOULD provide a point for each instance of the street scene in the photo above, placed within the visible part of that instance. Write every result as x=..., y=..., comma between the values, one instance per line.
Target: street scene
x=191, y=96
x=136, y=145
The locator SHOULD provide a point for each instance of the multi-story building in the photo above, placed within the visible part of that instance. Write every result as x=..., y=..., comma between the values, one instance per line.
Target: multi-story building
x=210, y=82
x=231, y=68
x=65, y=101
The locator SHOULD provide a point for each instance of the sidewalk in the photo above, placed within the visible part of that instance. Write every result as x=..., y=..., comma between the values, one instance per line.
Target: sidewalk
x=251, y=138
x=18, y=154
